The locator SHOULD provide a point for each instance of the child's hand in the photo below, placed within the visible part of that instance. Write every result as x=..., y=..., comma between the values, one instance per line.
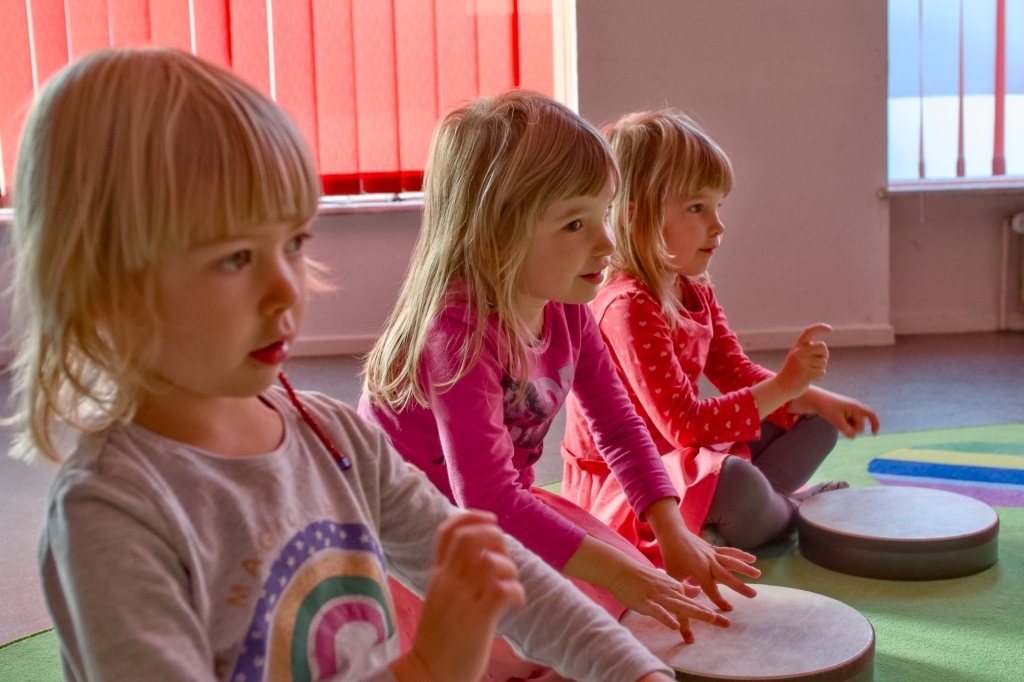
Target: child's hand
x=690, y=557
x=473, y=583
x=640, y=586
x=846, y=414
x=651, y=592
x=687, y=556
x=805, y=363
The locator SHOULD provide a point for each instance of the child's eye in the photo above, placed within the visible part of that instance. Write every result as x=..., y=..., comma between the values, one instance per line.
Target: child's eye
x=696, y=208
x=237, y=260
x=295, y=244
x=574, y=226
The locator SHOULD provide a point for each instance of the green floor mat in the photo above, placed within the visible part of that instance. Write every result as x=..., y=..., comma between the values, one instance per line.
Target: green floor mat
x=35, y=658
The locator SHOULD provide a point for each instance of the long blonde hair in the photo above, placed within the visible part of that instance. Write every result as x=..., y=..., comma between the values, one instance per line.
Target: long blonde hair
x=495, y=166
x=128, y=155
x=662, y=155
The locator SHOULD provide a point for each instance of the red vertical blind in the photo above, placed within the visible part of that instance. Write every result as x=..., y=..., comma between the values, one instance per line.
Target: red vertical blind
x=365, y=80
x=998, y=147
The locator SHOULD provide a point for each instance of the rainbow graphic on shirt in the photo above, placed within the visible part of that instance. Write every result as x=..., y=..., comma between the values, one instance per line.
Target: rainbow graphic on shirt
x=990, y=472
x=325, y=608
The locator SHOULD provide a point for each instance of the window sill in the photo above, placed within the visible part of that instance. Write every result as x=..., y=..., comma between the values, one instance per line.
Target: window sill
x=1014, y=185
x=371, y=203
x=332, y=205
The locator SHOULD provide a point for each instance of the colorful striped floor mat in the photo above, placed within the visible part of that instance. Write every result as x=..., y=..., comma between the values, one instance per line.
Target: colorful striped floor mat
x=986, y=471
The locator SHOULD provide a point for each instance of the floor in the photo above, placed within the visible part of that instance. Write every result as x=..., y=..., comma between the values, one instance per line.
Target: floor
x=922, y=382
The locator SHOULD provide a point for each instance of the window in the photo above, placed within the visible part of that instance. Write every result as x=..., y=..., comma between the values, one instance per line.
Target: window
x=365, y=80
x=956, y=89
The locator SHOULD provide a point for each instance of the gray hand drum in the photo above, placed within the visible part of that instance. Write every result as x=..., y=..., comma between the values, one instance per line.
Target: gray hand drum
x=898, y=533
x=781, y=634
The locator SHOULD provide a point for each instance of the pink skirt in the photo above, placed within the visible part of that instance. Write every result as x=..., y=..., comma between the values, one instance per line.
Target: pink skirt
x=693, y=471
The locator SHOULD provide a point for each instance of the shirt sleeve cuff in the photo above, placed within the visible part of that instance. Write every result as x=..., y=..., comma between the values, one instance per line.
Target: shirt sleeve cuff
x=652, y=495
x=557, y=554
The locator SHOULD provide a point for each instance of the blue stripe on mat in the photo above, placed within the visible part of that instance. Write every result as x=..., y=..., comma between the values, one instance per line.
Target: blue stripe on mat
x=949, y=471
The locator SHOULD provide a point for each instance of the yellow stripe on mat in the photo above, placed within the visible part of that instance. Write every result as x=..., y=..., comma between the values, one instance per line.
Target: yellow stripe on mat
x=971, y=459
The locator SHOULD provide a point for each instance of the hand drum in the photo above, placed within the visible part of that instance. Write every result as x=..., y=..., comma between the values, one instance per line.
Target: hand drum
x=781, y=634
x=898, y=533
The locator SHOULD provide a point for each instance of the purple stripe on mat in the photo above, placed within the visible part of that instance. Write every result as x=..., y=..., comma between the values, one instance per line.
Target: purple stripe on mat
x=995, y=497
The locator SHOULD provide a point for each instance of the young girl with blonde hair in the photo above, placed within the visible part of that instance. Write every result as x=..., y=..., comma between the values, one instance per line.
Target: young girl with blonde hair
x=737, y=459
x=209, y=526
x=490, y=333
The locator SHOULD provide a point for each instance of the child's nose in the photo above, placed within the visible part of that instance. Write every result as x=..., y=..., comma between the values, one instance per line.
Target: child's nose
x=717, y=227
x=284, y=287
x=604, y=244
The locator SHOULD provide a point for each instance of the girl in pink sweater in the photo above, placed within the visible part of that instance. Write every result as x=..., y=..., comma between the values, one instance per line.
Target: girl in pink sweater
x=737, y=459
x=491, y=331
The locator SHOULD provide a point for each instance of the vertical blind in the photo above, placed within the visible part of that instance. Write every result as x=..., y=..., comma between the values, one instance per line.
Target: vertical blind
x=365, y=80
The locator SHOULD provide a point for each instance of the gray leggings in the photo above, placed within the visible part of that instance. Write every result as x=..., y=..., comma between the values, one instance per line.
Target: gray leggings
x=752, y=504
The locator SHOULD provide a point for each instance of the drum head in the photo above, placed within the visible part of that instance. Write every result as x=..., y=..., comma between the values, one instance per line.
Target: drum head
x=898, y=533
x=781, y=634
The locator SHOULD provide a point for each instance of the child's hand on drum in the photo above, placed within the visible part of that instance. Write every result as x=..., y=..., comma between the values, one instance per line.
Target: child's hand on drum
x=687, y=556
x=640, y=586
x=473, y=583
x=651, y=592
x=709, y=565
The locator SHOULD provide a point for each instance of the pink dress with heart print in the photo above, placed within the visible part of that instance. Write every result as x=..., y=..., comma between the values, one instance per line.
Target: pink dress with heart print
x=659, y=366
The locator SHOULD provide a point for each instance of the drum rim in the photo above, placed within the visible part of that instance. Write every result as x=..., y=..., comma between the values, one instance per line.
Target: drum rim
x=885, y=564
x=812, y=532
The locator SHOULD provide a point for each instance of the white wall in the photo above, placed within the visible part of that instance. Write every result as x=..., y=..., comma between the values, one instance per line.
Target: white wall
x=367, y=254
x=795, y=91
x=947, y=254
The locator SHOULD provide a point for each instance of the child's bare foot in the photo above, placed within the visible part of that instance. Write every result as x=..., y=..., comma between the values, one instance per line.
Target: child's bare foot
x=818, y=489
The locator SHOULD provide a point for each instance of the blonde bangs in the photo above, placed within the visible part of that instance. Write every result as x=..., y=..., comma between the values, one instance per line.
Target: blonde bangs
x=697, y=162
x=561, y=159
x=229, y=175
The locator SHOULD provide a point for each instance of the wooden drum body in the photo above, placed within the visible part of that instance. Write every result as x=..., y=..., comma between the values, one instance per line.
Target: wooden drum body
x=781, y=634
x=898, y=533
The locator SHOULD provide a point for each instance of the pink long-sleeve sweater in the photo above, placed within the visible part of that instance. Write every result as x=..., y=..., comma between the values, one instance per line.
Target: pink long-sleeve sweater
x=478, y=445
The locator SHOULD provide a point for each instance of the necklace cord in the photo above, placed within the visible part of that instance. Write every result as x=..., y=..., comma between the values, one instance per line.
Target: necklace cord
x=344, y=462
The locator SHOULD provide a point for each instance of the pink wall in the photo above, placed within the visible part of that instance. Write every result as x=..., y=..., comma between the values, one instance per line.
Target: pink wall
x=795, y=91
